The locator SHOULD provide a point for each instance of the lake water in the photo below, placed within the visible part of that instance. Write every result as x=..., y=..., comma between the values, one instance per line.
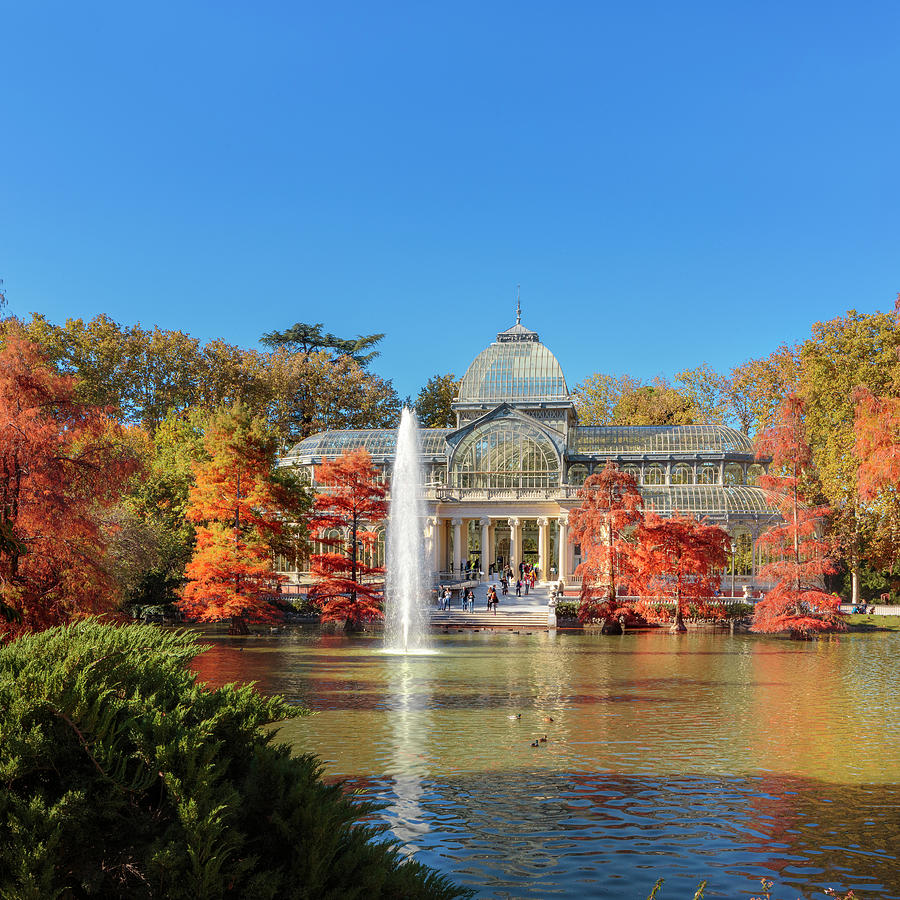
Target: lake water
x=701, y=756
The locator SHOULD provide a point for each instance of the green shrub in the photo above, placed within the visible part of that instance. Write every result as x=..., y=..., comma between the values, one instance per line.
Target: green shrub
x=567, y=610
x=124, y=777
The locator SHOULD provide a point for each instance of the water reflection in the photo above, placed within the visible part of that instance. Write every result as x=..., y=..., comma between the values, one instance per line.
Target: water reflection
x=407, y=763
x=711, y=756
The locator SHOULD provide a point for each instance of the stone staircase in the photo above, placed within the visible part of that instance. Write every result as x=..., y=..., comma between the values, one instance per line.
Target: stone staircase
x=526, y=620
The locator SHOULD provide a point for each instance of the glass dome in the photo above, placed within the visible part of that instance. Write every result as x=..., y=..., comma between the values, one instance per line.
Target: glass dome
x=514, y=370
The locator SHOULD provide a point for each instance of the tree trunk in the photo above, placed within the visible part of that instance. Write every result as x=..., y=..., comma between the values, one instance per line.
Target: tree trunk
x=238, y=626
x=678, y=626
x=854, y=581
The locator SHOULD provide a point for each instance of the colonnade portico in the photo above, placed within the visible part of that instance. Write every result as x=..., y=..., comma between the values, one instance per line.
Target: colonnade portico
x=446, y=549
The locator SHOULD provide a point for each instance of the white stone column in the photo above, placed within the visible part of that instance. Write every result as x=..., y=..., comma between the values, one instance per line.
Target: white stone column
x=514, y=541
x=564, y=546
x=485, y=545
x=457, y=544
x=432, y=557
x=543, y=535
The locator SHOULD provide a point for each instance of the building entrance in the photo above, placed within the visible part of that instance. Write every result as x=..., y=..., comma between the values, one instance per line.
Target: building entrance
x=530, y=541
x=501, y=547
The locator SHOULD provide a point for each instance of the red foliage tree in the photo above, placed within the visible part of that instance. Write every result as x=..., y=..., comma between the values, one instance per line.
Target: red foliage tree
x=678, y=562
x=798, y=603
x=242, y=508
x=61, y=463
x=877, y=430
x=611, y=507
x=352, y=504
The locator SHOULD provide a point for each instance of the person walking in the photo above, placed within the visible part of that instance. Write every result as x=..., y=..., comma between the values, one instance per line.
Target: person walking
x=518, y=588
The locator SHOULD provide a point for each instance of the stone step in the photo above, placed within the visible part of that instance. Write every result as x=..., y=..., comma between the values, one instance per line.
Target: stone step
x=470, y=620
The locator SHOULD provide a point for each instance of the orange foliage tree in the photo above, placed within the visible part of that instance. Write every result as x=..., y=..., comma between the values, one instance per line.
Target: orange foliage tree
x=678, y=562
x=61, y=463
x=244, y=509
x=611, y=507
x=351, y=505
x=798, y=603
x=877, y=431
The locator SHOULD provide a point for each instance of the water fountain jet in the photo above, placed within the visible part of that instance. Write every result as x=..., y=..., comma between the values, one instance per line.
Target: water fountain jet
x=406, y=591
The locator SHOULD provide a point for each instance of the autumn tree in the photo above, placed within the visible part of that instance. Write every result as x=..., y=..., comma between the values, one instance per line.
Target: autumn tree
x=758, y=387
x=63, y=463
x=708, y=392
x=798, y=603
x=343, y=518
x=678, y=562
x=434, y=400
x=243, y=509
x=156, y=537
x=843, y=355
x=596, y=397
x=611, y=508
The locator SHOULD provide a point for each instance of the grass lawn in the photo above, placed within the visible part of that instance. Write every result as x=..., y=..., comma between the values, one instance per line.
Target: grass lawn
x=857, y=622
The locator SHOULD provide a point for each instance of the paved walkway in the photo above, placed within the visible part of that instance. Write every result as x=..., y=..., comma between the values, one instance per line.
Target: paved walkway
x=535, y=601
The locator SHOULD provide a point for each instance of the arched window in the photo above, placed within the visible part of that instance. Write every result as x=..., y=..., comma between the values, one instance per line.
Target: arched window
x=337, y=534
x=633, y=470
x=505, y=454
x=734, y=474
x=374, y=552
x=577, y=474
x=754, y=472
x=682, y=474
x=654, y=474
x=708, y=474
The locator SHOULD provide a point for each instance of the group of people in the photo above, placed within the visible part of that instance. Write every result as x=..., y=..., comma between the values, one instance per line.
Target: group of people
x=445, y=595
x=527, y=577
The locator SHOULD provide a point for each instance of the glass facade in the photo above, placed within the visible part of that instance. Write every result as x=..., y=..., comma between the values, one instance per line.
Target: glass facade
x=526, y=461
x=615, y=439
x=380, y=442
x=505, y=454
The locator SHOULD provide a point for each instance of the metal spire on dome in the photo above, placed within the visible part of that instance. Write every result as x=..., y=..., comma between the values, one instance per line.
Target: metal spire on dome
x=518, y=305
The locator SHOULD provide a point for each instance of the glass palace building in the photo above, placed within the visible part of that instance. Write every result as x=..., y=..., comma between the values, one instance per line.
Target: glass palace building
x=500, y=485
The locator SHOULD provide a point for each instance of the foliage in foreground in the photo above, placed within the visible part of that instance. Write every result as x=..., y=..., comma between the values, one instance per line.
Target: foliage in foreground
x=766, y=891
x=125, y=777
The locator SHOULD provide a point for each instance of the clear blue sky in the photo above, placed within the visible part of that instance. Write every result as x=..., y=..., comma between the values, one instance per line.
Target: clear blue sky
x=668, y=182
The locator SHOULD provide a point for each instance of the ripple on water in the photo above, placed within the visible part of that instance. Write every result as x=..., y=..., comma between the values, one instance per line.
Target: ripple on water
x=727, y=758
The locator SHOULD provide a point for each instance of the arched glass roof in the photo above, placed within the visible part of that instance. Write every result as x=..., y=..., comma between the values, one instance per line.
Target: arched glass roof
x=380, y=442
x=614, y=439
x=514, y=370
x=707, y=500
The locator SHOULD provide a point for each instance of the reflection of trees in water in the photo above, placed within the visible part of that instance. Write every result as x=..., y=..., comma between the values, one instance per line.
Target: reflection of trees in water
x=825, y=835
x=612, y=836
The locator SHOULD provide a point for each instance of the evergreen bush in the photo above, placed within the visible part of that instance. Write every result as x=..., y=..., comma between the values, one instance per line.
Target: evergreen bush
x=124, y=777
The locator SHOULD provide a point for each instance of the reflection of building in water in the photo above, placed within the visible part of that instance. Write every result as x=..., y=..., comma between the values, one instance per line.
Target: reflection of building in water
x=502, y=482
